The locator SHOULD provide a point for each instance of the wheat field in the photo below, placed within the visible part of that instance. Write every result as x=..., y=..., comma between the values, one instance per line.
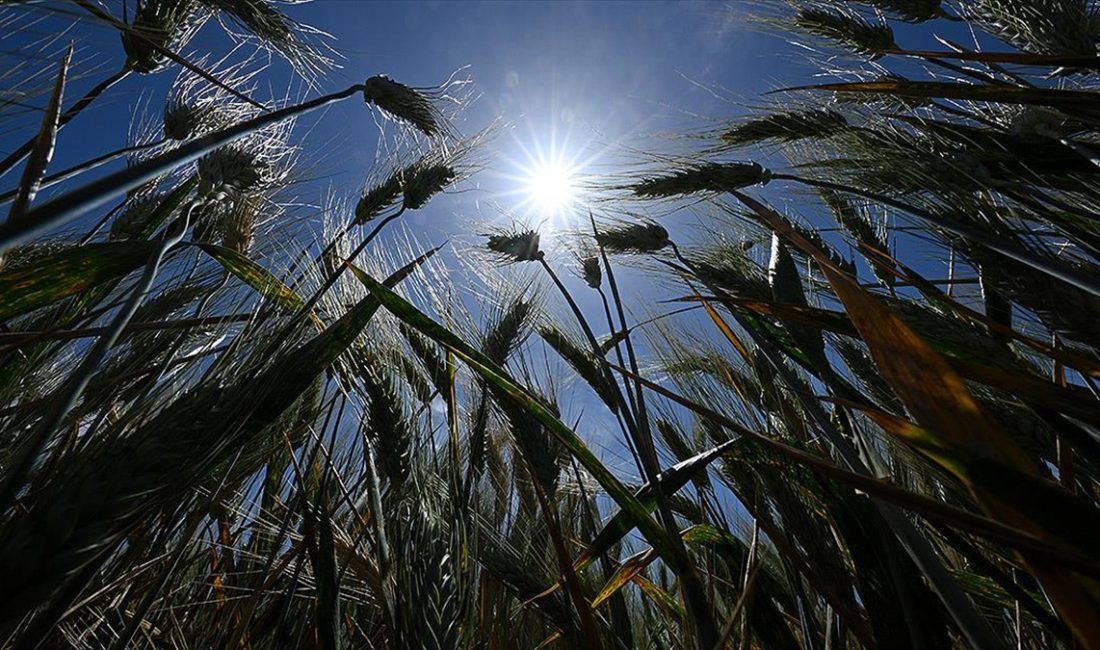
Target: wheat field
x=861, y=408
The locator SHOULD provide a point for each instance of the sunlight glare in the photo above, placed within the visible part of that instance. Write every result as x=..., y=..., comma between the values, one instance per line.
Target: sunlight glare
x=550, y=187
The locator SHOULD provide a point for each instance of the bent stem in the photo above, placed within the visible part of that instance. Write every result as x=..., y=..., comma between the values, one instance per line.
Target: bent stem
x=706, y=628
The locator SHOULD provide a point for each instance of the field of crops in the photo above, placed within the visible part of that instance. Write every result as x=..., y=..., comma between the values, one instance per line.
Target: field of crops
x=859, y=407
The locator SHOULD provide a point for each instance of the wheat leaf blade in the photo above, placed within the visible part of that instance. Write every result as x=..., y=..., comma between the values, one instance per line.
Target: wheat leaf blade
x=69, y=272
x=254, y=275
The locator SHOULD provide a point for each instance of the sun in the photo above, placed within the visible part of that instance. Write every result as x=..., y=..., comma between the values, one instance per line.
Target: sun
x=547, y=176
x=550, y=187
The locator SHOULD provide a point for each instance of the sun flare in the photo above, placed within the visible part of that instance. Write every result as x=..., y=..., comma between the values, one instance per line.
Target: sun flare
x=550, y=187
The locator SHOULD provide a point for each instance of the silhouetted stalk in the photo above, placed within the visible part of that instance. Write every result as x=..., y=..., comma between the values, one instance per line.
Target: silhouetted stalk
x=620, y=619
x=589, y=631
x=919, y=549
x=625, y=415
x=628, y=418
x=94, y=230
x=706, y=630
x=622, y=362
x=950, y=67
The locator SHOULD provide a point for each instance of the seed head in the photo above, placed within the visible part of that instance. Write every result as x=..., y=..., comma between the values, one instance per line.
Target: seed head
x=387, y=425
x=913, y=11
x=590, y=270
x=708, y=177
x=239, y=225
x=417, y=183
x=403, y=103
x=583, y=362
x=260, y=17
x=194, y=106
x=509, y=331
x=1040, y=26
x=786, y=127
x=424, y=182
x=378, y=198
x=783, y=276
x=135, y=215
x=634, y=238
x=164, y=23
x=1039, y=124
x=229, y=172
x=539, y=447
x=182, y=121
x=728, y=266
x=273, y=31
x=847, y=29
x=516, y=246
